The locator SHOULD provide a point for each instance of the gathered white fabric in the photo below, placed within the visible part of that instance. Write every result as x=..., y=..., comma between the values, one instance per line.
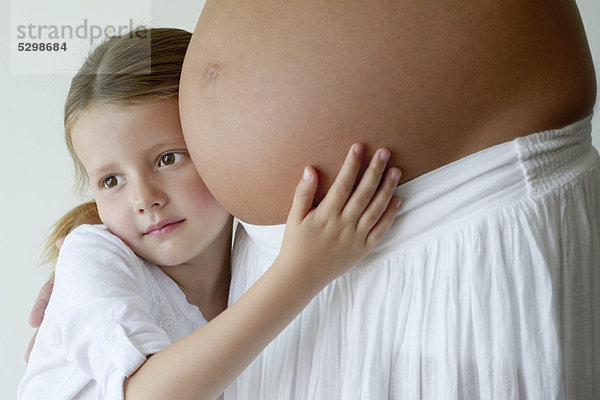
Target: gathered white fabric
x=487, y=286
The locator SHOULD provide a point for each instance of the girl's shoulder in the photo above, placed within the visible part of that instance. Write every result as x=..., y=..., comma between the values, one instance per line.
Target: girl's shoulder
x=93, y=244
x=94, y=237
x=95, y=260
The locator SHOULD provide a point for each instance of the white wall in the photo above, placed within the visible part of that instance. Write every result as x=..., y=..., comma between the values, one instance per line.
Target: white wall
x=36, y=175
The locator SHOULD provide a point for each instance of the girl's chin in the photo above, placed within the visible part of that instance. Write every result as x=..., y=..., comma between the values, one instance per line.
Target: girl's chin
x=168, y=259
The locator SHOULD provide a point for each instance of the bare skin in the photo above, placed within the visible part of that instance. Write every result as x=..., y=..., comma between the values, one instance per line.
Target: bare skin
x=271, y=86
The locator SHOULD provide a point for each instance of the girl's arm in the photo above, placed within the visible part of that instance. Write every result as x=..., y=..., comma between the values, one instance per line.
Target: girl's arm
x=318, y=246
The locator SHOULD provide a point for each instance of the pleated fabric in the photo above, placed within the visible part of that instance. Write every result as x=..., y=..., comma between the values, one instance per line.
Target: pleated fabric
x=487, y=286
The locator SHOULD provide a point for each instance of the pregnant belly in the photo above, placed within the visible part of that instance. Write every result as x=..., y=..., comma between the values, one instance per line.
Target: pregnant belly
x=268, y=88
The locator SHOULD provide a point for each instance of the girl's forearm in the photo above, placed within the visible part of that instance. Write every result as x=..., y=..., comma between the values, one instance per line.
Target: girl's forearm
x=204, y=363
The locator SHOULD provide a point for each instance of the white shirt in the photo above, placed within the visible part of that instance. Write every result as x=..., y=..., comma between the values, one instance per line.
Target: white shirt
x=109, y=309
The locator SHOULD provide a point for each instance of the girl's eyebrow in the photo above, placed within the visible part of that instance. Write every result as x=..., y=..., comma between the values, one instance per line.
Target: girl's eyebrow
x=176, y=144
x=103, y=169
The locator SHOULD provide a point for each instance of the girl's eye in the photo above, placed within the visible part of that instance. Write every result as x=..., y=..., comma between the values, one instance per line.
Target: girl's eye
x=109, y=182
x=169, y=159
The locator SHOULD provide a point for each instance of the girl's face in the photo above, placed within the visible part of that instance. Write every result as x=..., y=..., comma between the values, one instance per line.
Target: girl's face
x=143, y=180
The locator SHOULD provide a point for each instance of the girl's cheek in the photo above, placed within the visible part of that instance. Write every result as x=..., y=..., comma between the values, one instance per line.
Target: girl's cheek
x=196, y=189
x=200, y=196
x=203, y=202
x=110, y=215
x=102, y=211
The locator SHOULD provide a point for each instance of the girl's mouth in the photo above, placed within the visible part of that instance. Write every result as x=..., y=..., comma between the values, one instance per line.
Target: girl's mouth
x=163, y=227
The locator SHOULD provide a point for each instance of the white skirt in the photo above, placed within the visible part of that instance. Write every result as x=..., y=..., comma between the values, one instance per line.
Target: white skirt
x=487, y=286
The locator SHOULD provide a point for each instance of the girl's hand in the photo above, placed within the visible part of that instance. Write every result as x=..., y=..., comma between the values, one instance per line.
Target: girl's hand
x=38, y=310
x=327, y=241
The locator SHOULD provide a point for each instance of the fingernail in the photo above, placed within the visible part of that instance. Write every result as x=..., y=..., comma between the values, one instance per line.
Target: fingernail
x=398, y=204
x=307, y=176
x=396, y=174
x=356, y=149
x=384, y=155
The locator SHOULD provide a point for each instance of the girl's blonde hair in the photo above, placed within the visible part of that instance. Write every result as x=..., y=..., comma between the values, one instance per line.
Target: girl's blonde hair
x=135, y=68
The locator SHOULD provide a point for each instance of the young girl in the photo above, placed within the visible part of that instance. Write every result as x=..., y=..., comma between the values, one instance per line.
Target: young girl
x=132, y=296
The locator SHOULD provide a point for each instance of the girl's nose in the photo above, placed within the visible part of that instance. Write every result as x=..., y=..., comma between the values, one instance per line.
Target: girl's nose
x=148, y=196
x=148, y=207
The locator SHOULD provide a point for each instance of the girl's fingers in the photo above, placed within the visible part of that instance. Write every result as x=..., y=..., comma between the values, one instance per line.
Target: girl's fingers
x=344, y=182
x=304, y=195
x=370, y=181
x=41, y=302
x=384, y=223
x=30, y=347
x=380, y=202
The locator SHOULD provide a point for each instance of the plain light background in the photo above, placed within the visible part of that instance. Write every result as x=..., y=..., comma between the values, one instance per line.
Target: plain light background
x=36, y=175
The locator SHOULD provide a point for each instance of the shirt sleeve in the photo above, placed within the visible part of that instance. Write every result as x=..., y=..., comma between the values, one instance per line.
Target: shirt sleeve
x=99, y=311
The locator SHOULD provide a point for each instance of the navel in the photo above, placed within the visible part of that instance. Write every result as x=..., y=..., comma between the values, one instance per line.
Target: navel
x=212, y=72
x=210, y=80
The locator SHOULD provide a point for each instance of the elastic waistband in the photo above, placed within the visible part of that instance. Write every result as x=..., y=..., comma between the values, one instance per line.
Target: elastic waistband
x=527, y=166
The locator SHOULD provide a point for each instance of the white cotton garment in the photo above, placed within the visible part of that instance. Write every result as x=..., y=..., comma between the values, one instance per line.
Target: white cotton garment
x=487, y=286
x=109, y=309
